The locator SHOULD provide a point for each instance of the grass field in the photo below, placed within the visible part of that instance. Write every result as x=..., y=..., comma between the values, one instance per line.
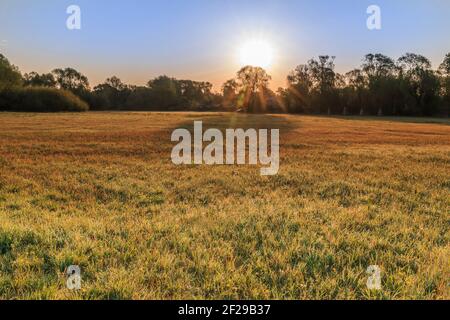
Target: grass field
x=99, y=190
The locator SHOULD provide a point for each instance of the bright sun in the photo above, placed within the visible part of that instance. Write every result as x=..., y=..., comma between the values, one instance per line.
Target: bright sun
x=256, y=53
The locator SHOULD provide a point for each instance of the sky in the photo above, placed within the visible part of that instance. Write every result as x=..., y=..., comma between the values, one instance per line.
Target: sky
x=137, y=40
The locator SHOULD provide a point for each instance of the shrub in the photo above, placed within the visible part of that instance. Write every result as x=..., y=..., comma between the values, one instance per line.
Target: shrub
x=40, y=99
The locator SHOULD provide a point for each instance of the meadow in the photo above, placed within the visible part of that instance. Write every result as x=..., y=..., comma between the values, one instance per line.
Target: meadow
x=99, y=190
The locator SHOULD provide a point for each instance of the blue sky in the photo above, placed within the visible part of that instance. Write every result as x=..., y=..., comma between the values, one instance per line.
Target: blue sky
x=199, y=39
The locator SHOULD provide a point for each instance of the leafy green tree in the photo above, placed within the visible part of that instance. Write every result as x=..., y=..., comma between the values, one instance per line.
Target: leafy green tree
x=297, y=97
x=230, y=93
x=444, y=70
x=140, y=98
x=34, y=79
x=194, y=94
x=357, y=84
x=322, y=73
x=253, y=81
x=9, y=74
x=445, y=65
x=423, y=82
x=323, y=83
x=115, y=83
x=165, y=92
x=72, y=80
x=381, y=73
x=112, y=94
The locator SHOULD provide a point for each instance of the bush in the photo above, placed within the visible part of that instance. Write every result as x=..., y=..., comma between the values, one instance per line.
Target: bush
x=40, y=99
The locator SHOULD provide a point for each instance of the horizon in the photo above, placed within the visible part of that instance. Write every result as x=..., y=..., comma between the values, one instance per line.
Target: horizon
x=137, y=41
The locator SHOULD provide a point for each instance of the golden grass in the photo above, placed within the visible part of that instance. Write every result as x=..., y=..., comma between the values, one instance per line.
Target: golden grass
x=99, y=190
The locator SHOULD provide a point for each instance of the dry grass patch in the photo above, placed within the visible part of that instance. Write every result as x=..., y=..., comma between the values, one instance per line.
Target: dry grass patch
x=99, y=190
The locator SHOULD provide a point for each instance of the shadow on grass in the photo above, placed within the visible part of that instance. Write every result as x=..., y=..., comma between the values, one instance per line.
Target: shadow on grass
x=223, y=121
x=427, y=120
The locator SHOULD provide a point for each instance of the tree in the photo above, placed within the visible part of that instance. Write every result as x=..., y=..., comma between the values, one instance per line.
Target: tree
x=445, y=65
x=252, y=81
x=253, y=78
x=72, y=80
x=444, y=71
x=112, y=94
x=9, y=74
x=414, y=64
x=297, y=97
x=380, y=72
x=357, y=83
x=323, y=83
x=34, y=79
x=194, y=93
x=140, y=98
x=322, y=73
x=229, y=93
x=422, y=81
x=230, y=87
x=115, y=83
x=165, y=91
x=378, y=65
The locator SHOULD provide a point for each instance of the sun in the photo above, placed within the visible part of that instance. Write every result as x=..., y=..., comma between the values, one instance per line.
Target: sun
x=256, y=53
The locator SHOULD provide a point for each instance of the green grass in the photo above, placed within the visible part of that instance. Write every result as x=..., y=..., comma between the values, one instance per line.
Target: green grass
x=99, y=190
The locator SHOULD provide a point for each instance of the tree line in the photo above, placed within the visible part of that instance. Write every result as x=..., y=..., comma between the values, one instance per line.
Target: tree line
x=381, y=86
x=407, y=86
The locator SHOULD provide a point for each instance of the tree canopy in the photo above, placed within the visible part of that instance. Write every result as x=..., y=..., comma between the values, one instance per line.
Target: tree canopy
x=9, y=74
